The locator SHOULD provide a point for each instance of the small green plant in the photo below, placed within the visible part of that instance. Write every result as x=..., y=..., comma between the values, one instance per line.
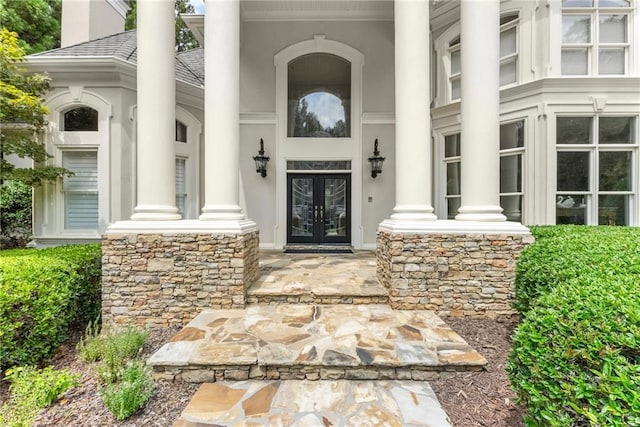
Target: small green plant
x=31, y=390
x=90, y=347
x=117, y=348
x=124, y=398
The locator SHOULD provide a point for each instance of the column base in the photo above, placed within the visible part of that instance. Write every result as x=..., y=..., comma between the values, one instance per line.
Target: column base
x=222, y=213
x=480, y=213
x=155, y=213
x=163, y=277
x=454, y=268
x=411, y=213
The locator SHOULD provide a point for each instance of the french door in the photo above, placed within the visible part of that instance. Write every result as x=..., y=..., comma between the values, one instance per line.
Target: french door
x=319, y=208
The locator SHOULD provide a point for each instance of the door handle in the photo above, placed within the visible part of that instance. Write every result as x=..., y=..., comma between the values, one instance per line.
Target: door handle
x=315, y=213
x=321, y=213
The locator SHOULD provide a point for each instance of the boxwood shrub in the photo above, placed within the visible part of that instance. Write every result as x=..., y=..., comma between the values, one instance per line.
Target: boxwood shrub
x=41, y=293
x=561, y=253
x=576, y=356
x=575, y=359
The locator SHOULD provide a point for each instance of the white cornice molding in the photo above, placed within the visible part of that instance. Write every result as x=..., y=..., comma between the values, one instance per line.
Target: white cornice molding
x=182, y=227
x=119, y=6
x=453, y=227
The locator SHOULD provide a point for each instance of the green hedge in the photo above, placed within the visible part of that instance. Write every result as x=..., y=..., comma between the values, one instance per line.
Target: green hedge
x=561, y=253
x=41, y=293
x=575, y=359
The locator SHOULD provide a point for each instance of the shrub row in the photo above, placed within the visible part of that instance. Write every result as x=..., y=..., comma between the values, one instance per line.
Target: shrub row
x=41, y=293
x=575, y=359
x=561, y=253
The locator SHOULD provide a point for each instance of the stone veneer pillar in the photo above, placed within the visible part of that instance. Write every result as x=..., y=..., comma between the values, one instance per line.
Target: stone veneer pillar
x=457, y=268
x=480, y=111
x=163, y=273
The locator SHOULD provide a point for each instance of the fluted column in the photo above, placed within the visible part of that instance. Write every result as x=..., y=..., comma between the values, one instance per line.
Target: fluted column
x=156, y=112
x=413, y=123
x=480, y=111
x=222, y=111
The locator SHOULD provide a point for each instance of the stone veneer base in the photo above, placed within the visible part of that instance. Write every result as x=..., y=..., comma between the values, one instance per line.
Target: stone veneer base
x=165, y=279
x=451, y=272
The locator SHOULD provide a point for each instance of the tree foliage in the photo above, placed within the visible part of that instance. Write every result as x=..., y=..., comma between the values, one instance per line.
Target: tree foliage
x=184, y=39
x=22, y=116
x=37, y=23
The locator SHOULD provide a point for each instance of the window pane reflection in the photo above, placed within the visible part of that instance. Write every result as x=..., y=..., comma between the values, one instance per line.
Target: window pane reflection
x=319, y=97
x=573, y=171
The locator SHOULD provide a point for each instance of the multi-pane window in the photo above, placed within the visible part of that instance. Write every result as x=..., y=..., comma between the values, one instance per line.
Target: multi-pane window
x=80, y=190
x=595, y=37
x=508, y=55
x=595, y=169
x=452, y=165
x=508, y=49
x=511, y=171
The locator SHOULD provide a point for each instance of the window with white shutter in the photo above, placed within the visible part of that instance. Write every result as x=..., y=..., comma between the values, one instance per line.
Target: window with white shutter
x=80, y=190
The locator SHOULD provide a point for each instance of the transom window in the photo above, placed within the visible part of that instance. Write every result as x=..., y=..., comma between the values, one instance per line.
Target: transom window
x=511, y=171
x=80, y=119
x=595, y=37
x=596, y=159
x=319, y=96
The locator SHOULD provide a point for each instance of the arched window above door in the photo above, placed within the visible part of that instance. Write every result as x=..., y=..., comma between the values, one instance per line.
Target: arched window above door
x=319, y=96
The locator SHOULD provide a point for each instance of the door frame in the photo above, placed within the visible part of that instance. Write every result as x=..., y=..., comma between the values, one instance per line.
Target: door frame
x=319, y=148
x=318, y=237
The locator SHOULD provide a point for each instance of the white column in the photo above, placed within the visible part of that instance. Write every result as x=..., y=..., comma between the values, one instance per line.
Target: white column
x=156, y=112
x=222, y=111
x=413, y=122
x=480, y=111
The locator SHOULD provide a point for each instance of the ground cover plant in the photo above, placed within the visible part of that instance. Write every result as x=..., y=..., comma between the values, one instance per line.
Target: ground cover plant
x=575, y=359
x=31, y=390
x=41, y=293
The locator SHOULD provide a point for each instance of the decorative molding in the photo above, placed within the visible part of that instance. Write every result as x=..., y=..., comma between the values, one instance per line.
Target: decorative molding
x=378, y=118
x=452, y=227
x=185, y=226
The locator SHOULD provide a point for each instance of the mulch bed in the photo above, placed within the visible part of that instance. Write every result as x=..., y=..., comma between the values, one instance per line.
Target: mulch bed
x=471, y=399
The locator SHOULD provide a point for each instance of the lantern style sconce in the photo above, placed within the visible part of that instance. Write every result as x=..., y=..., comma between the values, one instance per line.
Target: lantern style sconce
x=261, y=160
x=376, y=161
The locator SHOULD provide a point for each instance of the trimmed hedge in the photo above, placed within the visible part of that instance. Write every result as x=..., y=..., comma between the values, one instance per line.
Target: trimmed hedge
x=41, y=293
x=575, y=359
x=561, y=253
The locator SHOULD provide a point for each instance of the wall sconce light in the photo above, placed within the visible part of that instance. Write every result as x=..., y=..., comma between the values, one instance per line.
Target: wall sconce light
x=376, y=161
x=261, y=160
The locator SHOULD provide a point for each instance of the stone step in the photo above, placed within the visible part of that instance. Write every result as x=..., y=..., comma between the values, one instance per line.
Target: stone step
x=317, y=279
x=313, y=342
x=314, y=403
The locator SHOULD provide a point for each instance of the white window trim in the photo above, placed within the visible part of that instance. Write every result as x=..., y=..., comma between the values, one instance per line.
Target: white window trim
x=50, y=221
x=189, y=151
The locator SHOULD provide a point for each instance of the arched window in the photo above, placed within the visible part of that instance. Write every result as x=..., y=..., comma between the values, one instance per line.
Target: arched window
x=80, y=119
x=319, y=96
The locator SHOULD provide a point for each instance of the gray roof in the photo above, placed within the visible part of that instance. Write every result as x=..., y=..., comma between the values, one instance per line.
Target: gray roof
x=189, y=64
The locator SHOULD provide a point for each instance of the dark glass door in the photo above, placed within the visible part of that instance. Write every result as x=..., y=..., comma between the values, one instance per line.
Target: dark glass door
x=318, y=208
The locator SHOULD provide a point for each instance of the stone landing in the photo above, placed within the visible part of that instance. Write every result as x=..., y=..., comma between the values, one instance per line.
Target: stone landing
x=329, y=342
x=314, y=403
x=317, y=279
